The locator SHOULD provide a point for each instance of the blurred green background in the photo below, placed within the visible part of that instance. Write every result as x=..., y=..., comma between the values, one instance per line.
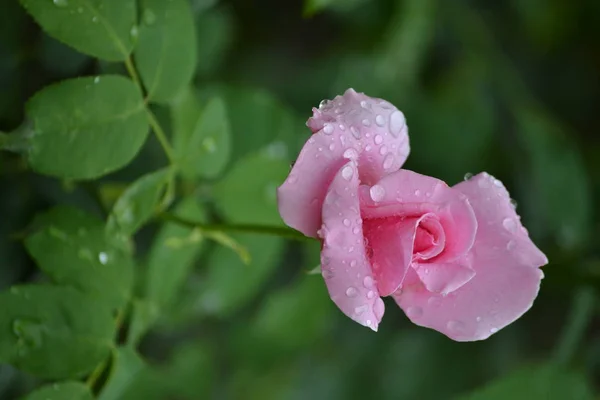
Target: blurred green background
x=511, y=88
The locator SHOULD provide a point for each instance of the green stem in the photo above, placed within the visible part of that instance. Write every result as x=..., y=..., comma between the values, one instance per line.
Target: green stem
x=237, y=228
x=96, y=374
x=156, y=128
x=579, y=318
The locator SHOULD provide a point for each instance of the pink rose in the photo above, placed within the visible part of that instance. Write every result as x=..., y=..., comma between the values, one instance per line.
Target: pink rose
x=455, y=259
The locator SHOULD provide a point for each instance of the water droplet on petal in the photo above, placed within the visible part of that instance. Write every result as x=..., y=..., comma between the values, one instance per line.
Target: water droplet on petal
x=493, y=330
x=361, y=309
x=382, y=150
x=396, y=123
x=368, y=282
x=455, y=326
x=366, y=122
x=414, y=312
x=511, y=245
x=342, y=127
x=331, y=147
x=434, y=301
x=370, y=294
x=510, y=225
x=368, y=148
x=323, y=103
x=483, y=182
x=351, y=154
x=468, y=176
x=327, y=274
x=377, y=192
x=498, y=183
x=379, y=120
x=388, y=161
x=378, y=308
x=513, y=204
x=328, y=129
x=353, y=263
x=346, y=222
x=347, y=172
x=417, y=192
x=355, y=132
x=351, y=292
x=378, y=139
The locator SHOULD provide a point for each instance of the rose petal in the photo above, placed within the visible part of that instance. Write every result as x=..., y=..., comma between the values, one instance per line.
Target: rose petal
x=346, y=269
x=407, y=193
x=507, y=276
x=353, y=126
x=443, y=278
x=391, y=243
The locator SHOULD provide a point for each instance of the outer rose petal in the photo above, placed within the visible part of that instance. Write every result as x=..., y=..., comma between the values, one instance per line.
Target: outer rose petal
x=507, y=277
x=344, y=262
x=407, y=193
x=353, y=126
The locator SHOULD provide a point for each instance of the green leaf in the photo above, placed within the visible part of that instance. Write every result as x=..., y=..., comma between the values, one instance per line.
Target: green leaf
x=214, y=34
x=101, y=28
x=61, y=391
x=230, y=283
x=126, y=366
x=166, y=51
x=172, y=255
x=54, y=332
x=139, y=203
x=202, y=148
x=312, y=7
x=191, y=371
x=86, y=127
x=144, y=314
x=553, y=164
x=71, y=247
x=546, y=382
x=248, y=193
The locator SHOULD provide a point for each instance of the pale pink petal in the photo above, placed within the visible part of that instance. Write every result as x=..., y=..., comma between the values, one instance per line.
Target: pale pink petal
x=391, y=246
x=344, y=262
x=353, y=126
x=443, y=278
x=407, y=193
x=507, y=277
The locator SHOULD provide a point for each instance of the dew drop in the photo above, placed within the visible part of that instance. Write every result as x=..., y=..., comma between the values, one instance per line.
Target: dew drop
x=388, y=161
x=346, y=222
x=351, y=154
x=366, y=122
x=134, y=31
x=103, y=258
x=510, y=225
x=347, y=172
x=377, y=192
x=379, y=120
x=328, y=129
x=97, y=79
x=370, y=294
x=513, y=204
x=378, y=139
x=493, y=330
x=378, y=308
x=455, y=326
x=397, y=122
x=368, y=282
x=417, y=192
x=369, y=323
x=368, y=148
x=382, y=150
x=351, y=292
x=356, y=230
x=483, y=182
x=434, y=301
x=355, y=132
x=511, y=245
x=342, y=127
x=361, y=309
x=61, y=3
x=414, y=312
x=468, y=176
x=323, y=103
x=327, y=274
x=353, y=263
x=497, y=183
x=363, y=104
x=331, y=147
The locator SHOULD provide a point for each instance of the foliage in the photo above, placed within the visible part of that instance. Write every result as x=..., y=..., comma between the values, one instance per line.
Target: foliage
x=142, y=255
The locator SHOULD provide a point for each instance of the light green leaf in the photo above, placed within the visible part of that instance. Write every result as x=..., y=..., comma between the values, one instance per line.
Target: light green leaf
x=553, y=165
x=126, y=366
x=166, y=51
x=139, y=203
x=61, y=391
x=173, y=254
x=546, y=382
x=202, y=148
x=54, y=332
x=248, y=193
x=101, y=28
x=71, y=247
x=86, y=127
x=230, y=283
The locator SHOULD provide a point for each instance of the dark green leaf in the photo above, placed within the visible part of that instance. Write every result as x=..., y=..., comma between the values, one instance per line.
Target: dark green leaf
x=172, y=255
x=139, y=203
x=72, y=248
x=248, y=193
x=86, y=127
x=214, y=34
x=54, y=332
x=202, y=148
x=230, y=283
x=61, y=391
x=191, y=371
x=101, y=28
x=166, y=50
x=126, y=366
x=144, y=314
x=547, y=382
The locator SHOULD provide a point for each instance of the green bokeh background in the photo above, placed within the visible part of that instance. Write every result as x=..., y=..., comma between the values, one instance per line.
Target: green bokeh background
x=511, y=88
